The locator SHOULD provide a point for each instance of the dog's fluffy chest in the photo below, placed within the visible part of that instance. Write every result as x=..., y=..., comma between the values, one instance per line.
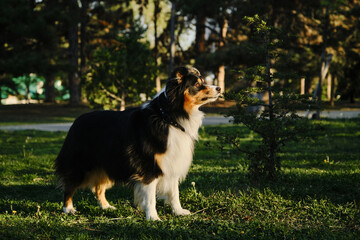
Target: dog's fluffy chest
x=180, y=147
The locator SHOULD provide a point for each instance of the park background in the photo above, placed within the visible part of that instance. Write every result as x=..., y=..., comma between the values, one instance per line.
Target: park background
x=62, y=58
x=55, y=50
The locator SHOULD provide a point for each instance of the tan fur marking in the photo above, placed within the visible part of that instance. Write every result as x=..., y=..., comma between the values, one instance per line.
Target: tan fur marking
x=158, y=158
x=68, y=201
x=96, y=178
x=203, y=93
x=100, y=194
x=136, y=177
x=98, y=181
x=179, y=77
x=189, y=102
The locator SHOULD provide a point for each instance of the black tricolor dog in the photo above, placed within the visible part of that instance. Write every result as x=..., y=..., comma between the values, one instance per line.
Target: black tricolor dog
x=150, y=147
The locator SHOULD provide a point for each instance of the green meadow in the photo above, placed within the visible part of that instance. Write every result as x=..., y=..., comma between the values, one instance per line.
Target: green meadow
x=316, y=196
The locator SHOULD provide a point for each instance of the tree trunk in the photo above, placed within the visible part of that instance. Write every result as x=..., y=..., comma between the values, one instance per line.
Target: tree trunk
x=122, y=102
x=302, y=86
x=352, y=96
x=200, y=33
x=200, y=37
x=221, y=75
x=332, y=94
x=308, y=81
x=273, y=164
x=83, y=37
x=156, y=51
x=50, y=88
x=172, y=38
x=323, y=69
x=73, y=74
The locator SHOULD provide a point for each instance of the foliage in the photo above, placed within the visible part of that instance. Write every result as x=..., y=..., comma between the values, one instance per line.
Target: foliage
x=120, y=72
x=36, y=37
x=27, y=86
x=7, y=87
x=315, y=197
x=275, y=121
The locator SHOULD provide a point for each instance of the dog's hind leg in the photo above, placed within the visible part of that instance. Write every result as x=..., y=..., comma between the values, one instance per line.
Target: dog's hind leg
x=98, y=181
x=145, y=198
x=68, y=200
x=99, y=191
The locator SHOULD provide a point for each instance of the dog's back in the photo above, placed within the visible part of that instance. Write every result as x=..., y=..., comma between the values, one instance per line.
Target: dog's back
x=101, y=140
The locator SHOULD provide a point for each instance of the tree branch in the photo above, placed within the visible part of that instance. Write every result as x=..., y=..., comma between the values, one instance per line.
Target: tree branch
x=111, y=95
x=212, y=29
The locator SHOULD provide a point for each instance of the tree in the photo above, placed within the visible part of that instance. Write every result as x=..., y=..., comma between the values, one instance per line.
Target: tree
x=121, y=72
x=275, y=121
x=198, y=10
x=28, y=42
x=172, y=38
x=73, y=38
x=83, y=34
x=156, y=42
x=347, y=34
x=53, y=61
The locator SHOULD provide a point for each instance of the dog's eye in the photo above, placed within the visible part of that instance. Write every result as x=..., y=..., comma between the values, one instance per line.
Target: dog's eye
x=198, y=85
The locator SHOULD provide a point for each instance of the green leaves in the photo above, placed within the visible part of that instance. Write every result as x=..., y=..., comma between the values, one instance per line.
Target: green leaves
x=258, y=24
x=121, y=72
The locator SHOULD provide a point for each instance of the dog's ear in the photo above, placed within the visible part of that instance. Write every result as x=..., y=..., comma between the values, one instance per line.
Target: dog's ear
x=179, y=73
x=194, y=71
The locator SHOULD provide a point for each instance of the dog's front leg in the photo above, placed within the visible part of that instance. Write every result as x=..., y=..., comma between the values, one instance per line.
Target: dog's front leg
x=145, y=198
x=173, y=199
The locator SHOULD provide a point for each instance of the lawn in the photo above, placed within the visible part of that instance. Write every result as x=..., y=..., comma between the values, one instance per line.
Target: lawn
x=315, y=197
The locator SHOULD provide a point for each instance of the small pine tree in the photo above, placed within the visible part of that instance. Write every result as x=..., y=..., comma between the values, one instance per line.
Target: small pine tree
x=120, y=72
x=274, y=120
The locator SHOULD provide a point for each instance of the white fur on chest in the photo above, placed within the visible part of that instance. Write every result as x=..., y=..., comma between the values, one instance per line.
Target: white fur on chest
x=180, y=147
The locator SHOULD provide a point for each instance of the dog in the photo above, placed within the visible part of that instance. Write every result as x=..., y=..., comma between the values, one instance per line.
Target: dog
x=150, y=147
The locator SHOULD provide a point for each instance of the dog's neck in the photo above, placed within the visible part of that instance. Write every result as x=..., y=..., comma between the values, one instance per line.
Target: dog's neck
x=164, y=111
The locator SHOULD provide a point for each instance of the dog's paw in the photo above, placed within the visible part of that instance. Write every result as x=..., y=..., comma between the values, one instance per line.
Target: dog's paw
x=153, y=218
x=152, y=215
x=181, y=212
x=69, y=210
x=108, y=207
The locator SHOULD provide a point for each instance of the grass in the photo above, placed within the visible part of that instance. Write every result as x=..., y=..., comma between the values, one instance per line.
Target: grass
x=316, y=196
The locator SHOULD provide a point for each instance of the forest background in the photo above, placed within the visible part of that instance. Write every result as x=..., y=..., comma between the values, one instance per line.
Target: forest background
x=115, y=53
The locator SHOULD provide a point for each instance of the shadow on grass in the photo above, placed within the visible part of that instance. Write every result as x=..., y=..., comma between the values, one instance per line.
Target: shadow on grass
x=338, y=188
x=123, y=230
x=27, y=197
x=33, y=192
x=174, y=229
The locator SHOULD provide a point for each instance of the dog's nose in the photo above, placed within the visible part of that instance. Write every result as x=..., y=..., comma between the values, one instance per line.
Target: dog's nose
x=218, y=89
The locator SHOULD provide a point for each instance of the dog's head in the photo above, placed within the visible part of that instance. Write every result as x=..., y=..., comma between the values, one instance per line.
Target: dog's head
x=187, y=89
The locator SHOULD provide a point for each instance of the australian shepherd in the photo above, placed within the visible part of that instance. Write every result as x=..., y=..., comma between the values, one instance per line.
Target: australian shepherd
x=150, y=147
